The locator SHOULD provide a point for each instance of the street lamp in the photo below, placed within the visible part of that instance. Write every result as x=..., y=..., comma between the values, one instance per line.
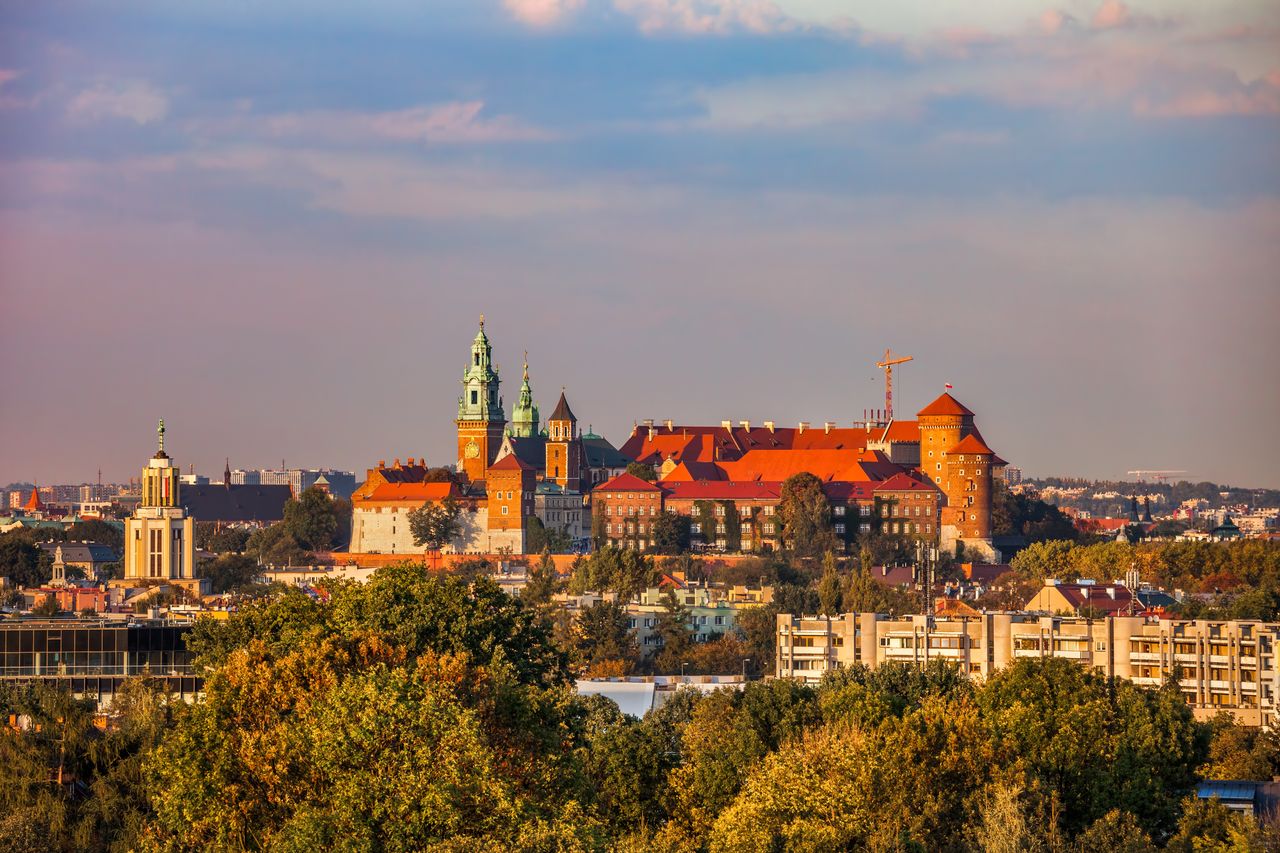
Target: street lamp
x=745, y=661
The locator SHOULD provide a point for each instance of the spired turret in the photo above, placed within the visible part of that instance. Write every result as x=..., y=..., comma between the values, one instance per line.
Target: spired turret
x=524, y=416
x=481, y=421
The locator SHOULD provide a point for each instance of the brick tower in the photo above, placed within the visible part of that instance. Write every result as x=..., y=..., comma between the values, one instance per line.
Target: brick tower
x=954, y=456
x=564, y=451
x=480, y=413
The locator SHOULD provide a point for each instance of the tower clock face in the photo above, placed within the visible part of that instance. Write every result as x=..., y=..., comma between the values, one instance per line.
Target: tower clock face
x=472, y=449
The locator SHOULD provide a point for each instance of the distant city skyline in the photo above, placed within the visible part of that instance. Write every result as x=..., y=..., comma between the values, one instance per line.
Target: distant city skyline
x=274, y=225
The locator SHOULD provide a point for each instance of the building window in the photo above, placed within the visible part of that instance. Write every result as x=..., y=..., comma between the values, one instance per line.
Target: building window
x=695, y=527
x=939, y=466
x=864, y=527
x=768, y=510
x=865, y=509
x=475, y=397
x=838, y=510
x=840, y=529
x=504, y=510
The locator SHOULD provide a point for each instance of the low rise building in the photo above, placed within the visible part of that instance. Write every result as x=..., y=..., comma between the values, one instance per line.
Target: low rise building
x=1224, y=665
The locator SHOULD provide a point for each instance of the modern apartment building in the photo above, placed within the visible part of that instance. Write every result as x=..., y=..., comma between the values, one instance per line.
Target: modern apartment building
x=1225, y=666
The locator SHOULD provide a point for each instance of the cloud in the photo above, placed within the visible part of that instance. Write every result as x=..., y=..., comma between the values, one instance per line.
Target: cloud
x=456, y=122
x=8, y=74
x=714, y=17
x=1261, y=97
x=1110, y=15
x=136, y=100
x=542, y=13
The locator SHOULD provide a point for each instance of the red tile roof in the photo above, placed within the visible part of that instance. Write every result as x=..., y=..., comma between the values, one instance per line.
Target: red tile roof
x=945, y=405
x=406, y=492
x=692, y=470
x=710, y=490
x=33, y=503
x=627, y=483
x=905, y=483
x=971, y=444
x=1096, y=597
x=510, y=462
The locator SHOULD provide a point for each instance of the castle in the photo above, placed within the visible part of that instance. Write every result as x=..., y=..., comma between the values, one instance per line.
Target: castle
x=928, y=479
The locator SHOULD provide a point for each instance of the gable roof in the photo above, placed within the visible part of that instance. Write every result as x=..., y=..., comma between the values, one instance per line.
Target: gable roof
x=945, y=405
x=905, y=483
x=511, y=462
x=532, y=450
x=406, y=492
x=562, y=411
x=217, y=502
x=602, y=454
x=723, y=490
x=625, y=482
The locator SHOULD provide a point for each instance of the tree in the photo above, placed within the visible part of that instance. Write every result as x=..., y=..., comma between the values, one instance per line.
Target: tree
x=93, y=530
x=1209, y=825
x=759, y=627
x=211, y=536
x=435, y=524
x=805, y=515
x=46, y=606
x=1115, y=832
x=829, y=586
x=604, y=635
x=723, y=654
x=643, y=471
x=1241, y=752
x=230, y=572
x=672, y=533
x=539, y=537
x=673, y=630
x=275, y=546
x=312, y=519
x=24, y=563
x=544, y=582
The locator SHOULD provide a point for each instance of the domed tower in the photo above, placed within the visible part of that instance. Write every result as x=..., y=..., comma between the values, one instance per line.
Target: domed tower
x=480, y=415
x=524, y=415
x=160, y=536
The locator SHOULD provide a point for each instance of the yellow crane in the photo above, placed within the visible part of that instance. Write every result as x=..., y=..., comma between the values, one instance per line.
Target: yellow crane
x=887, y=366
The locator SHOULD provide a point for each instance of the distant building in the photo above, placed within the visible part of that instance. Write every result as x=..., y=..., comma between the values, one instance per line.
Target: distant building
x=1225, y=666
x=88, y=557
x=223, y=504
x=159, y=539
x=340, y=484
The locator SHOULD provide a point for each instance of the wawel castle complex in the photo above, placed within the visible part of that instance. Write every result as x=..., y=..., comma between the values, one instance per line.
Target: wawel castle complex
x=928, y=479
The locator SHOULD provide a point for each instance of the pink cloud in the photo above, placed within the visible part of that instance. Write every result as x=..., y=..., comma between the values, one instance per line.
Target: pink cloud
x=1055, y=20
x=1262, y=97
x=542, y=13
x=135, y=100
x=706, y=16
x=1111, y=14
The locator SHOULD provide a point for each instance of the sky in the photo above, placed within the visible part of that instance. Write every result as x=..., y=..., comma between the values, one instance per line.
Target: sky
x=275, y=224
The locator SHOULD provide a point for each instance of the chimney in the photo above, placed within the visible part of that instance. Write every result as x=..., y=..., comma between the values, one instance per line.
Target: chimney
x=826, y=426
x=649, y=423
x=726, y=425
x=397, y=465
x=652, y=431
x=669, y=424
x=768, y=425
x=382, y=463
x=410, y=461
x=745, y=425
x=804, y=425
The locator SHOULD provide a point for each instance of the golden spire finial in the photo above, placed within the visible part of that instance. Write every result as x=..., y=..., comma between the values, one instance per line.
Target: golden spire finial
x=526, y=365
x=160, y=435
x=482, y=322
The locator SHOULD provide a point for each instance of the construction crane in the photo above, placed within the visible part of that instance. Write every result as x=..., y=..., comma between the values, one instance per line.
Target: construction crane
x=1158, y=476
x=887, y=366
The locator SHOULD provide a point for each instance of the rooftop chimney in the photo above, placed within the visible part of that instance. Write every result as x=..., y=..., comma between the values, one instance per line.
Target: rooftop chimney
x=669, y=424
x=649, y=423
x=827, y=425
x=410, y=461
x=768, y=425
x=804, y=425
x=382, y=463
x=726, y=424
x=745, y=425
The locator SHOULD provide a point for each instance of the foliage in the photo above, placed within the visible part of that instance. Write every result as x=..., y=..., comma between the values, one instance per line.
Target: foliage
x=604, y=635
x=672, y=533
x=539, y=538
x=673, y=630
x=93, y=530
x=608, y=569
x=211, y=536
x=230, y=572
x=1241, y=752
x=312, y=519
x=435, y=524
x=722, y=654
x=829, y=586
x=1029, y=517
x=276, y=546
x=543, y=584
x=22, y=561
x=805, y=515
x=642, y=471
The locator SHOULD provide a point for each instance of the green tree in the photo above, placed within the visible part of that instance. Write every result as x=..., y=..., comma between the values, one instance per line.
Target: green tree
x=643, y=471
x=312, y=519
x=1208, y=825
x=211, y=536
x=539, y=538
x=673, y=630
x=604, y=636
x=24, y=563
x=543, y=584
x=93, y=530
x=276, y=546
x=230, y=572
x=672, y=533
x=435, y=524
x=829, y=587
x=805, y=515
x=1115, y=832
x=1241, y=752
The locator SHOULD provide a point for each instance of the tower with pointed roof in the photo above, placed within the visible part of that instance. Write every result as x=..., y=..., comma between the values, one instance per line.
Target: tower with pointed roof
x=564, y=449
x=954, y=456
x=524, y=415
x=480, y=413
x=160, y=536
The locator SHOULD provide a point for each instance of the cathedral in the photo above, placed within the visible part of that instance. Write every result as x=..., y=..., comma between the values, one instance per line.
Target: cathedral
x=509, y=474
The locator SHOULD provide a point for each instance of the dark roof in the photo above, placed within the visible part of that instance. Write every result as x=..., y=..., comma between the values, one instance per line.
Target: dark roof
x=562, y=411
x=532, y=451
x=235, y=503
x=82, y=552
x=602, y=454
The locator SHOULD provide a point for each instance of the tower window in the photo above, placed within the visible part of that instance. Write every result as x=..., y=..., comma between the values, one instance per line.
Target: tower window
x=476, y=356
x=475, y=397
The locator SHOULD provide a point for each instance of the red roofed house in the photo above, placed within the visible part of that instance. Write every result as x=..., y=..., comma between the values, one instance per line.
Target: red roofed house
x=1084, y=599
x=624, y=509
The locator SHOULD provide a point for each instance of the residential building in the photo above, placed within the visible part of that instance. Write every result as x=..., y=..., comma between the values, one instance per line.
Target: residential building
x=1224, y=665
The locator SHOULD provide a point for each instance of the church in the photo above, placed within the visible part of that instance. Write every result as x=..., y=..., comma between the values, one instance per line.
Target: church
x=509, y=475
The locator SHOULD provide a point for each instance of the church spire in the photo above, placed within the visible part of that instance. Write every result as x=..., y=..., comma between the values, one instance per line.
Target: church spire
x=524, y=415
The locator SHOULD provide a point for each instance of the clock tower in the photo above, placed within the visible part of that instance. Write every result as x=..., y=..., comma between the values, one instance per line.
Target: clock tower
x=480, y=416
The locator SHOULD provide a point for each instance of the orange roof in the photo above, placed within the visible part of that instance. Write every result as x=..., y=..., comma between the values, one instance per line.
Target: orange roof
x=510, y=462
x=33, y=503
x=900, y=431
x=406, y=493
x=945, y=405
x=778, y=465
x=627, y=483
x=905, y=483
x=689, y=471
x=971, y=444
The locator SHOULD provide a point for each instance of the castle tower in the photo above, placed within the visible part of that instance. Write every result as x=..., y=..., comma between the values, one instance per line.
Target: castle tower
x=954, y=456
x=160, y=537
x=564, y=450
x=524, y=415
x=509, y=486
x=480, y=417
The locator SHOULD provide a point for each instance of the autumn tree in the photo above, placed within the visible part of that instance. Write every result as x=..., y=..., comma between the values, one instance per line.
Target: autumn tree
x=311, y=519
x=434, y=524
x=805, y=515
